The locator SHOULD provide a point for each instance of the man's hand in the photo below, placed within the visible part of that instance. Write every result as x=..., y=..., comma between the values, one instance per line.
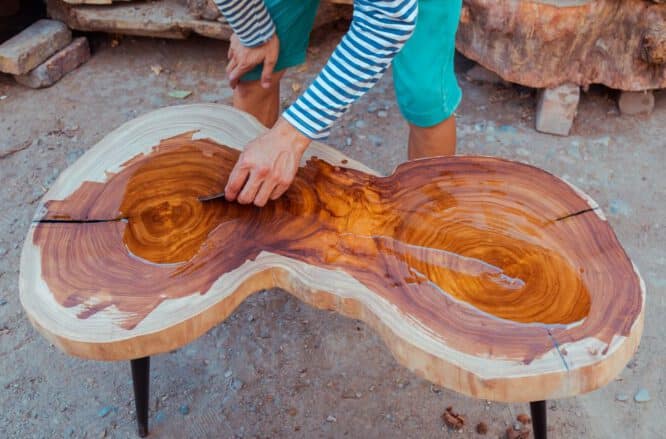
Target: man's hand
x=267, y=166
x=243, y=59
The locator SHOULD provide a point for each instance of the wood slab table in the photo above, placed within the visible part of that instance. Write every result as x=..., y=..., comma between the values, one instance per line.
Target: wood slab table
x=489, y=277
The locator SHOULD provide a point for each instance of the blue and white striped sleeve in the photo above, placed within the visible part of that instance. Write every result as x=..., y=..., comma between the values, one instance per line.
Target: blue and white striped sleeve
x=378, y=31
x=249, y=19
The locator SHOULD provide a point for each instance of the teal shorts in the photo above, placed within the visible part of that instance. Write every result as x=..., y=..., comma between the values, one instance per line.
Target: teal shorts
x=425, y=83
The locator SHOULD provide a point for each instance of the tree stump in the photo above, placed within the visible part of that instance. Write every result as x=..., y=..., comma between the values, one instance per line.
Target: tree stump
x=489, y=277
x=546, y=43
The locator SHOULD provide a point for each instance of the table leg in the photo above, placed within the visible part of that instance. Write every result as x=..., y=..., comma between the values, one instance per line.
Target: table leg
x=538, y=412
x=141, y=381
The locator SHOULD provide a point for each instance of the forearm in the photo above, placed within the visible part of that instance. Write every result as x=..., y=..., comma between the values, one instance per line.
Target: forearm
x=249, y=19
x=378, y=31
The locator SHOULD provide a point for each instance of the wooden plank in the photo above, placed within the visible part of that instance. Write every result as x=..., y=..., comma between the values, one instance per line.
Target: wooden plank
x=473, y=270
x=32, y=46
x=163, y=19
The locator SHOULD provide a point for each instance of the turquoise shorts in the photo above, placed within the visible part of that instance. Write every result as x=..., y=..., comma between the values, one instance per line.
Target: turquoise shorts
x=425, y=83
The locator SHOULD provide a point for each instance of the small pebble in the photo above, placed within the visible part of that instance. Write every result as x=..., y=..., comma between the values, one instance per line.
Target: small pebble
x=3, y=302
x=642, y=395
x=376, y=140
x=382, y=114
x=104, y=411
x=481, y=428
x=360, y=123
x=228, y=373
x=621, y=397
x=517, y=426
x=236, y=384
x=373, y=107
x=184, y=409
x=331, y=419
x=348, y=141
x=619, y=207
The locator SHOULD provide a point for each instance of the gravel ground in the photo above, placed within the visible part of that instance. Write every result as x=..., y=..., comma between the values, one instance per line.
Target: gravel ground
x=278, y=368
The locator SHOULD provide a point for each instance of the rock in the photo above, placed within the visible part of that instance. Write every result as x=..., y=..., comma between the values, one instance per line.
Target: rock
x=452, y=419
x=621, y=397
x=481, y=428
x=382, y=114
x=348, y=141
x=619, y=207
x=236, y=384
x=331, y=418
x=631, y=103
x=376, y=140
x=373, y=107
x=481, y=74
x=556, y=109
x=513, y=434
x=57, y=66
x=33, y=46
x=104, y=411
x=184, y=409
x=642, y=395
x=523, y=419
x=360, y=124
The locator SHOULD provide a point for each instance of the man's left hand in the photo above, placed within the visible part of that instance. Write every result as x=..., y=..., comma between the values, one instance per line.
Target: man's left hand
x=267, y=166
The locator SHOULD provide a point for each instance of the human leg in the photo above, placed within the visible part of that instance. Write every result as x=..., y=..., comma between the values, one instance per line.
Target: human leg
x=293, y=22
x=425, y=83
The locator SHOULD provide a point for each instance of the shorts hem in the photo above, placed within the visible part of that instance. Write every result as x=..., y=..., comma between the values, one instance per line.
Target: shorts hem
x=430, y=118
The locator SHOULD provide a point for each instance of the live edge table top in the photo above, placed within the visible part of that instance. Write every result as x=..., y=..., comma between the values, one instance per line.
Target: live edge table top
x=489, y=277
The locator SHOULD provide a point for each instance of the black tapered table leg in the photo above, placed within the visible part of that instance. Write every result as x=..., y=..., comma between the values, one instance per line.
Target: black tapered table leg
x=141, y=381
x=538, y=411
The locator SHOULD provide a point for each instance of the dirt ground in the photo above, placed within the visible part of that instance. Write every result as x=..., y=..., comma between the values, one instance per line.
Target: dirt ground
x=278, y=368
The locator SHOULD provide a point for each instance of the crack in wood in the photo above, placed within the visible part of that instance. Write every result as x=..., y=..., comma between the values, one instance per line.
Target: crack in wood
x=591, y=209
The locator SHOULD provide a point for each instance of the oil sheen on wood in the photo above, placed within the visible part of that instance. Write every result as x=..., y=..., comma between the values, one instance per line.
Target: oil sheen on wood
x=491, y=258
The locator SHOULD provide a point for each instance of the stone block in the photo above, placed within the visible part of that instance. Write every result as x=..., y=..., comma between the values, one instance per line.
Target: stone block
x=33, y=46
x=556, y=109
x=54, y=68
x=636, y=102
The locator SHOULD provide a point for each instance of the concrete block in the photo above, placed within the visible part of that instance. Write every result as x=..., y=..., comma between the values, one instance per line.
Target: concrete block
x=33, y=46
x=636, y=102
x=54, y=68
x=556, y=109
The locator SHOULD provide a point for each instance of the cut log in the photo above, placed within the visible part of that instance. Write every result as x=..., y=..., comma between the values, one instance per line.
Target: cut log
x=543, y=44
x=485, y=276
x=163, y=19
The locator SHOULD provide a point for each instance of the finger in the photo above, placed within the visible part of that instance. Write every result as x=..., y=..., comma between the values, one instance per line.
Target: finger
x=267, y=72
x=231, y=65
x=278, y=191
x=236, y=74
x=264, y=193
x=249, y=191
x=235, y=182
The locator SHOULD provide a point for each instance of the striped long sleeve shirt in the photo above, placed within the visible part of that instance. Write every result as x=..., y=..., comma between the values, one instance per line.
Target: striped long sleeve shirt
x=378, y=31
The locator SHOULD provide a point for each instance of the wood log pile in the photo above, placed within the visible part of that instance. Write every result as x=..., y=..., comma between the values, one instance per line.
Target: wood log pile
x=176, y=19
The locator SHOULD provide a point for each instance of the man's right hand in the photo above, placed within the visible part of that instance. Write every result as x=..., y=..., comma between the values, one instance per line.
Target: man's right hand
x=243, y=59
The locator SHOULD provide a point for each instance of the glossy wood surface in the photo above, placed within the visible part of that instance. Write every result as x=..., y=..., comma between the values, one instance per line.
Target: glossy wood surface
x=492, y=258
